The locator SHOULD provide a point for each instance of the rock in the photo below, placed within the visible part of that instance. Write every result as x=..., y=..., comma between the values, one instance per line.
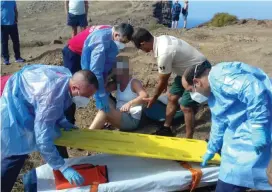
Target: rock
x=261, y=22
x=30, y=57
x=39, y=43
x=162, y=12
x=56, y=41
x=242, y=21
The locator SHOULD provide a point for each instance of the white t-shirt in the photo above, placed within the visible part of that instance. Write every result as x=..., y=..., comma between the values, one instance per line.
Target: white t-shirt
x=77, y=7
x=126, y=96
x=175, y=55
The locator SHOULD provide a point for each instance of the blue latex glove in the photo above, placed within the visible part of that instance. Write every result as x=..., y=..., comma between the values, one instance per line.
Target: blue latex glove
x=259, y=139
x=208, y=156
x=65, y=124
x=102, y=103
x=73, y=176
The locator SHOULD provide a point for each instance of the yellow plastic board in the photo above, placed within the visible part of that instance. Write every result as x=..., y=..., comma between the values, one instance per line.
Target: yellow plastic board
x=133, y=144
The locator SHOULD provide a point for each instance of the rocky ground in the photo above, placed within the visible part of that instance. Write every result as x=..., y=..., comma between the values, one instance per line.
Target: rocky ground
x=43, y=33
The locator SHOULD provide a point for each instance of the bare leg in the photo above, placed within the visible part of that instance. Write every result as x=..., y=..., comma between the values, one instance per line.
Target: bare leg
x=171, y=109
x=189, y=118
x=185, y=23
x=113, y=116
x=99, y=120
x=74, y=31
x=173, y=24
x=176, y=24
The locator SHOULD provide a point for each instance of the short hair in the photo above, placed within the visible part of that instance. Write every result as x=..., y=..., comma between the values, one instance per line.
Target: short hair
x=88, y=76
x=125, y=30
x=190, y=72
x=141, y=35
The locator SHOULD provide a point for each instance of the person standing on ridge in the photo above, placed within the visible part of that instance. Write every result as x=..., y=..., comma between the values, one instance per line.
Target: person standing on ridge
x=185, y=13
x=77, y=11
x=9, y=20
x=176, y=9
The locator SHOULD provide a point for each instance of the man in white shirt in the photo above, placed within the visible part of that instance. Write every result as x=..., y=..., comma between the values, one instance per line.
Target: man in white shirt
x=173, y=56
x=76, y=11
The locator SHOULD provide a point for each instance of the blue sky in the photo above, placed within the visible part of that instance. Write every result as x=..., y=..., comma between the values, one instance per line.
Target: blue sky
x=201, y=11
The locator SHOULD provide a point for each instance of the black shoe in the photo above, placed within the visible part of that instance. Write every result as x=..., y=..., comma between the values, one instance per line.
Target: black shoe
x=165, y=131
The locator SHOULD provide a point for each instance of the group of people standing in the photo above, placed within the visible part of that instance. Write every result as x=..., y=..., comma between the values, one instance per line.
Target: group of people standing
x=39, y=99
x=176, y=10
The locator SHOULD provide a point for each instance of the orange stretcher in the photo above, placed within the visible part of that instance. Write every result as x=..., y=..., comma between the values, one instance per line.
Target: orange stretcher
x=93, y=175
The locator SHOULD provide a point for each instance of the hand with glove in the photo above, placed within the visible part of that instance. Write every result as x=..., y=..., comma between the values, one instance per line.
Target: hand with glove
x=66, y=125
x=208, y=156
x=72, y=176
x=259, y=138
x=102, y=103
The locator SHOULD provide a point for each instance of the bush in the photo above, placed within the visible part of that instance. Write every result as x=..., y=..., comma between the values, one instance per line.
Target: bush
x=222, y=19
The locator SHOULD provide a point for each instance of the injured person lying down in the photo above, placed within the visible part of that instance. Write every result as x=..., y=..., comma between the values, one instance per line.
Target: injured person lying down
x=126, y=113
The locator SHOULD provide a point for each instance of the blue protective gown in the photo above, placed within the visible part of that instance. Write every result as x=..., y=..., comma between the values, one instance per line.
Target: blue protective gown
x=99, y=55
x=241, y=96
x=32, y=112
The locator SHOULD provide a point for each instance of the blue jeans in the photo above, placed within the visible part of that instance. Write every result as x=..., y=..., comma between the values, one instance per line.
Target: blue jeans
x=10, y=169
x=71, y=60
x=226, y=187
x=12, y=31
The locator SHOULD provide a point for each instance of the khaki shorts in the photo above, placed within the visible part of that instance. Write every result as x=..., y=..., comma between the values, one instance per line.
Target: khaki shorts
x=128, y=123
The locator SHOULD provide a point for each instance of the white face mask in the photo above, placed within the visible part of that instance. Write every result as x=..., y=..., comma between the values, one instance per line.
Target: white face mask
x=198, y=97
x=81, y=101
x=119, y=45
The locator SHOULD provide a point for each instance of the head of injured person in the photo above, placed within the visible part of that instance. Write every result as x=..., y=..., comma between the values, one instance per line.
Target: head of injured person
x=195, y=80
x=122, y=34
x=83, y=84
x=143, y=40
x=122, y=69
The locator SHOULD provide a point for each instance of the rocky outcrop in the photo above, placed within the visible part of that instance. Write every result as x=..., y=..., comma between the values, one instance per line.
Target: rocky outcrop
x=162, y=12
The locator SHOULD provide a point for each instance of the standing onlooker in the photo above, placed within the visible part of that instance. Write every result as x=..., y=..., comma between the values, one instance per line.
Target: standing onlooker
x=76, y=11
x=185, y=13
x=9, y=20
x=176, y=9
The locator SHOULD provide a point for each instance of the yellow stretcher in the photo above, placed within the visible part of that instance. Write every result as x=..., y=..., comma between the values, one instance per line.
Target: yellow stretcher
x=133, y=144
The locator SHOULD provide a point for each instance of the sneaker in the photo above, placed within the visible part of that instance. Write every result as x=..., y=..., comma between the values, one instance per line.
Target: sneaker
x=20, y=60
x=6, y=62
x=165, y=131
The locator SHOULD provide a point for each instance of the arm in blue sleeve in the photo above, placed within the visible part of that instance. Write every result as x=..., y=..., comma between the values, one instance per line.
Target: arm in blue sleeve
x=97, y=67
x=216, y=136
x=45, y=122
x=252, y=92
x=256, y=97
x=64, y=123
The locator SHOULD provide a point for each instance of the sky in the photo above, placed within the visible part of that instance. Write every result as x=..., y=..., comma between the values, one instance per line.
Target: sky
x=202, y=11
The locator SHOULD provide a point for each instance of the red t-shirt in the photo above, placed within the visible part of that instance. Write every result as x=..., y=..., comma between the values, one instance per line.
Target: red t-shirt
x=4, y=80
x=76, y=43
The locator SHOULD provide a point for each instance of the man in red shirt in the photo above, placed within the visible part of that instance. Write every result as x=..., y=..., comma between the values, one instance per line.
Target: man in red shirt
x=72, y=51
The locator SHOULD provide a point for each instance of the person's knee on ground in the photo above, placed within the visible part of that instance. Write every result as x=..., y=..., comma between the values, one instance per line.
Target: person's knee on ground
x=171, y=109
x=189, y=118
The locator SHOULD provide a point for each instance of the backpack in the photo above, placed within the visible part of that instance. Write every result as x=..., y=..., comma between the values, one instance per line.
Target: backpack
x=177, y=9
x=183, y=11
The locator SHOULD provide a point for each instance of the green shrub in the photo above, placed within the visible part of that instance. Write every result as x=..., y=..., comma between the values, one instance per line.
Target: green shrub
x=222, y=19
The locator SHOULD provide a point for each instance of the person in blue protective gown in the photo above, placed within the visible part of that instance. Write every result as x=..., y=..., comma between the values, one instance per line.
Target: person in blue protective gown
x=32, y=112
x=99, y=55
x=240, y=100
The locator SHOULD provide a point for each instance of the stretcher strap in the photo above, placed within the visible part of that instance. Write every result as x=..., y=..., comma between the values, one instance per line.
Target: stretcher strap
x=196, y=175
x=94, y=187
